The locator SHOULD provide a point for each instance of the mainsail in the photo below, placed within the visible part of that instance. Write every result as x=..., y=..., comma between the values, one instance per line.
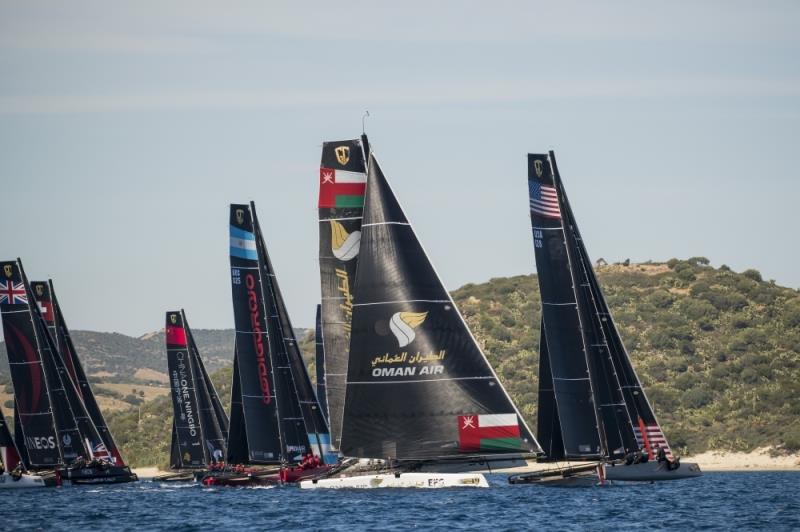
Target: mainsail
x=48, y=429
x=51, y=312
x=597, y=399
x=418, y=385
x=319, y=360
x=342, y=179
x=188, y=450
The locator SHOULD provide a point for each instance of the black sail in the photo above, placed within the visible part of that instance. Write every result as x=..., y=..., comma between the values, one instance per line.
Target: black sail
x=106, y=448
x=189, y=451
x=616, y=430
x=342, y=179
x=47, y=425
x=548, y=426
x=254, y=369
x=9, y=455
x=310, y=431
x=629, y=410
x=209, y=400
x=563, y=333
x=212, y=431
x=319, y=359
x=418, y=385
x=236, y=443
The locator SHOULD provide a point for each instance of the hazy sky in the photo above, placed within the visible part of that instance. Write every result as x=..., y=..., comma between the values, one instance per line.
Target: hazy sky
x=126, y=129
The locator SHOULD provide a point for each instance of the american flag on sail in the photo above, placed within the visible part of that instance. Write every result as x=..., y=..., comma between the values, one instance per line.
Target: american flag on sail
x=654, y=437
x=544, y=200
x=13, y=293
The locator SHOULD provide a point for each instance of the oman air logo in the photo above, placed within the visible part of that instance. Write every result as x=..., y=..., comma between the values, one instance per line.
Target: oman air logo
x=66, y=439
x=403, y=324
x=240, y=216
x=343, y=245
x=39, y=290
x=173, y=318
x=8, y=270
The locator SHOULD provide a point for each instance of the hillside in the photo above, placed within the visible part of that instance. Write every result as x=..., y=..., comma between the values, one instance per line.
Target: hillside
x=718, y=353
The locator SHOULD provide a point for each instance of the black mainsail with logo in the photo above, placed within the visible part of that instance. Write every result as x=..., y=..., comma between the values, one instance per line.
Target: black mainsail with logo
x=271, y=374
x=198, y=438
x=418, y=385
x=319, y=363
x=342, y=180
x=591, y=402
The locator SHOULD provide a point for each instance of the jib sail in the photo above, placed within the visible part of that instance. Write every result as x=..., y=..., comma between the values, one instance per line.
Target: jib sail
x=418, y=385
x=107, y=447
x=213, y=420
x=304, y=427
x=342, y=179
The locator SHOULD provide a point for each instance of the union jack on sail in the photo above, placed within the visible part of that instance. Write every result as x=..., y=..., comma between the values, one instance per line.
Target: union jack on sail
x=13, y=293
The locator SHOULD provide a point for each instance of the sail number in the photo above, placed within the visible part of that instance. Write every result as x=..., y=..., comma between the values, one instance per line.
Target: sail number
x=537, y=238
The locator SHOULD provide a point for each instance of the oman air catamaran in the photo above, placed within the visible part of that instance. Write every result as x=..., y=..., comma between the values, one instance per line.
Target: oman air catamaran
x=277, y=430
x=199, y=426
x=59, y=429
x=420, y=405
x=592, y=406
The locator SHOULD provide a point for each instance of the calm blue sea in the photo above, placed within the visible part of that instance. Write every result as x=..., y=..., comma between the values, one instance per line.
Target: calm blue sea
x=725, y=501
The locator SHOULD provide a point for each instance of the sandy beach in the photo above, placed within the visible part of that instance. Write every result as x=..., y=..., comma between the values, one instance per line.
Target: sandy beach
x=758, y=460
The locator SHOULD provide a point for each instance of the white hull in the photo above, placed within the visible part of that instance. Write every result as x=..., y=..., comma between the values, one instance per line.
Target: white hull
x=402, y=480
x=25, y=481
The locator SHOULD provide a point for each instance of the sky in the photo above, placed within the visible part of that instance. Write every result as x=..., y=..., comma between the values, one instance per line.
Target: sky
x=127, y=128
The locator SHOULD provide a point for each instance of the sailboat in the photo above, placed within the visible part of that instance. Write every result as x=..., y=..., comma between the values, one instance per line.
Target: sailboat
x=54, y=431
x=423, y=406
x=12, y=471
x=276, y=420
x=592, y=406
x=319, y=364
x=199, y=424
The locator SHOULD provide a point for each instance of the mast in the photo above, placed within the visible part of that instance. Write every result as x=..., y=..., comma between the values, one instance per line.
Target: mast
x=342, y=181
x=255, y=412
x=418, y=385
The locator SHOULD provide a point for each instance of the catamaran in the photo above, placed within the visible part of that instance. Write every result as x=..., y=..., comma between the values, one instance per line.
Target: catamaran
x=54, y=426
x=592, y=406
x=277, y=430
x=199, y=425
x=422, y=405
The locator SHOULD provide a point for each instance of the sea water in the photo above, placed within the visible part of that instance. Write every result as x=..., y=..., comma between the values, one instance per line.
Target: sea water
x=724, y=501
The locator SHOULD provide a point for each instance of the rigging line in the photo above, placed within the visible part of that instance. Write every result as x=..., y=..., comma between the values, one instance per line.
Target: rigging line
x=386, y=223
